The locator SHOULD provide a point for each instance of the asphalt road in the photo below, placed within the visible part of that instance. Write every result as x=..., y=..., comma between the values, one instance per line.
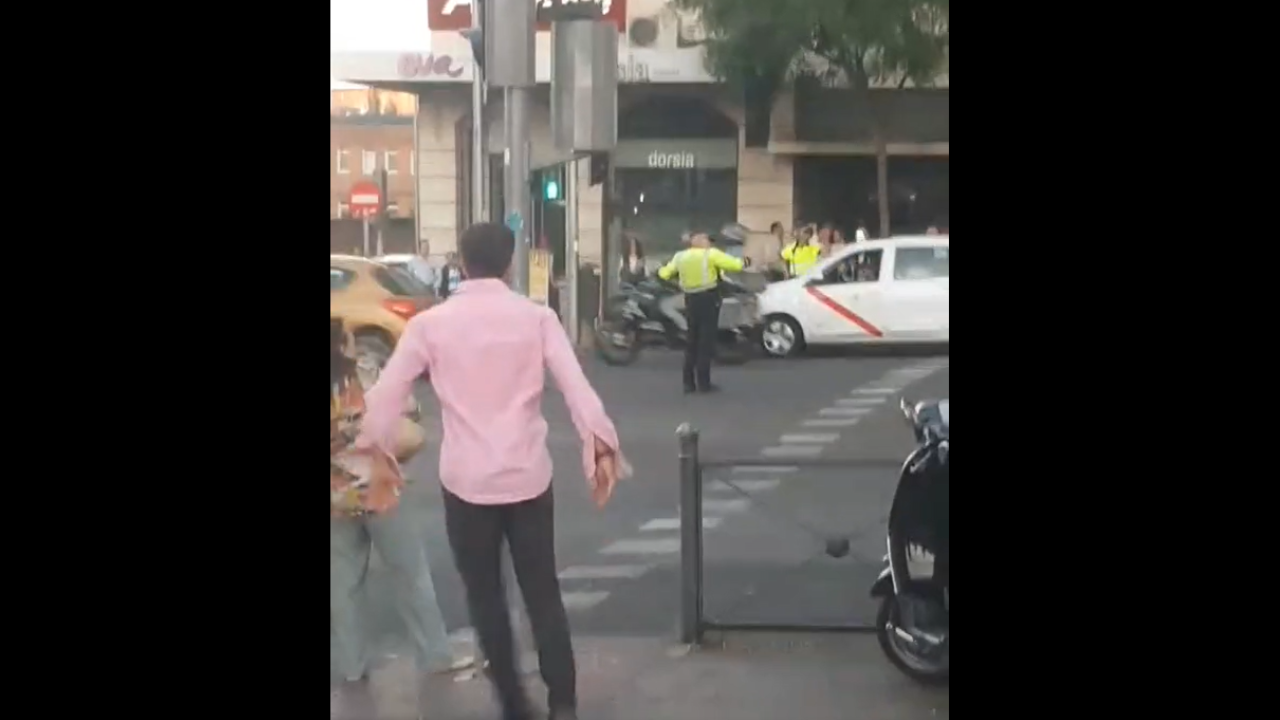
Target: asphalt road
x=619, y=564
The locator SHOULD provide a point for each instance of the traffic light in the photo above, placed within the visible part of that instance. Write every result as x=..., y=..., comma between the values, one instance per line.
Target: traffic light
x=551, y=186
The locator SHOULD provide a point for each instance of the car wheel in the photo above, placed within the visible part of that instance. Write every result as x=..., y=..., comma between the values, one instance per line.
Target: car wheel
x=781, y=336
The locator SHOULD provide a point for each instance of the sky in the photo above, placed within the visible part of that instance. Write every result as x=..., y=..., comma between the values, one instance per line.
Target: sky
x=370, y=25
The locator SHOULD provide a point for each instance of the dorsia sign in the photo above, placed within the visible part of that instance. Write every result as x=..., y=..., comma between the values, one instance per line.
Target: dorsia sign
x=428, y=66
x=454, y=15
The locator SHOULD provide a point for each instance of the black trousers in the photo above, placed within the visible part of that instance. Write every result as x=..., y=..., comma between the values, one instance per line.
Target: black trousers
x=703, y=311
x=476, y=533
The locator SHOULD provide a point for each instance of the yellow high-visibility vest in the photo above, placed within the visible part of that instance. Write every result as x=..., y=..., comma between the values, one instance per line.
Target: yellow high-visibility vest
x=800, y=259
x=699, y=268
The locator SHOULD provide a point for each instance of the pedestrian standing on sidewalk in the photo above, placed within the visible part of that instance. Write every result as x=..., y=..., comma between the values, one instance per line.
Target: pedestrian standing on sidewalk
x=486, y=353
x=363, y=518
x=450, y=276
x=420, y=265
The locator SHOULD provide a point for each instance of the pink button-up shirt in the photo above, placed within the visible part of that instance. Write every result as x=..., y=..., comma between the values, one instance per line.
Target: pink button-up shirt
x=485, y=350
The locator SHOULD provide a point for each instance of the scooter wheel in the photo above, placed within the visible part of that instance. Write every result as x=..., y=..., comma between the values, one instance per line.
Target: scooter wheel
x=613, y=352
x=926, y=670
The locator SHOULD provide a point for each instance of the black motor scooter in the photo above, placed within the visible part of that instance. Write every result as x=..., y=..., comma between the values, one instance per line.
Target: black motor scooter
x=652, y=312
x=913, y=622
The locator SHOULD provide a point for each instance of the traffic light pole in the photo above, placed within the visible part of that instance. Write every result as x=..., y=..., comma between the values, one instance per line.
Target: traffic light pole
x=569, y=298
x=516, y=160
x=479, y=136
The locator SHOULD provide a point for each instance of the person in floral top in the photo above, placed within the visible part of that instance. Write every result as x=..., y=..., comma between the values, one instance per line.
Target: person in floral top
x=364, y=514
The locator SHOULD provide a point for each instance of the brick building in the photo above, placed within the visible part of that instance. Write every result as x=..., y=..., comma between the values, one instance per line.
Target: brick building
x=371, y=129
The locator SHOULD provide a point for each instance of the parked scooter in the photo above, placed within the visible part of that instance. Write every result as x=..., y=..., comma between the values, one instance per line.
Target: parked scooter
x=913, y=623
x=652, y=312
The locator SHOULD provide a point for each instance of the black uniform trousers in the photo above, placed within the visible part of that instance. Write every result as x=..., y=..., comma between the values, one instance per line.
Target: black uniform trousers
x=703, y=311
x=476, y=533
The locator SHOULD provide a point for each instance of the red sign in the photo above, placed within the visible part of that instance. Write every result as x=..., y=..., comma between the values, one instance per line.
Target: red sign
x=365, y=199
x=454, y=15
x=428, y=65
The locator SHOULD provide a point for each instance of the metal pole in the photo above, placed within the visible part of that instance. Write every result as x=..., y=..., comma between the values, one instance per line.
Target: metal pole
x=479, y=139
x=383, y=201
x=569, y=298
x=610, y=252
x=366, y=236
x=690, y=536
x=516, y=116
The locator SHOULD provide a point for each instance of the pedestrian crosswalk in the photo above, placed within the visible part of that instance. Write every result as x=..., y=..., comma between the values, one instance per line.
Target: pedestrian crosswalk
x=658, y=541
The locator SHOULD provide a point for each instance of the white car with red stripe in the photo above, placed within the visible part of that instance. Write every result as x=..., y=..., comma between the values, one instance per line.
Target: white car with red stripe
x=879, y=291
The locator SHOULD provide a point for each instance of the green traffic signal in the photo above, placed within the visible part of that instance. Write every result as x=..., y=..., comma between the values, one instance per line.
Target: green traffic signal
x=550, y=189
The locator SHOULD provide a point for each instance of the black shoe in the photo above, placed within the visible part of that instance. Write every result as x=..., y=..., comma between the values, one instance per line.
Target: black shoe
x=708, y=389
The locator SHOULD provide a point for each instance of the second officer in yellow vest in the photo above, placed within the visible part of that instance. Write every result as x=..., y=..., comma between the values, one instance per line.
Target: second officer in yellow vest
x=801, y=253
x=698, y=269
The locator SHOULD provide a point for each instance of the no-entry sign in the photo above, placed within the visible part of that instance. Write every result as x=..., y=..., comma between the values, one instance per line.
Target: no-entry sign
x=365, y=199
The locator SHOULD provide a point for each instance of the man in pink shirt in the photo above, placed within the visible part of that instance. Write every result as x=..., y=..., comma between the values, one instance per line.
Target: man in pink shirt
x=486, y=352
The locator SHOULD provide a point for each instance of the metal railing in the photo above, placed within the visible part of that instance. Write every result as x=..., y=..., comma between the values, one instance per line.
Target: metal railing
x=693, y=620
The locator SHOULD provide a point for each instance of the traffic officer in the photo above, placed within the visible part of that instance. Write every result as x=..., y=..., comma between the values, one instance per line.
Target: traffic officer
x=802, y=253
x=699, y=268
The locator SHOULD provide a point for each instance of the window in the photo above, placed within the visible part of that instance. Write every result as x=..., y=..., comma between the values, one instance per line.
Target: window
x=863, y=266
x=922, y=263
x=391, y=161
x=339, y=278
x=368, y=162
x=660, y=205
x=344, y=210
x=344, y=162
x=399, y=282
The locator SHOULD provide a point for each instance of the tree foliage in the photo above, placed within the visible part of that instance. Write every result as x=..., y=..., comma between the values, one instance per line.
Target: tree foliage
x=858, y=42
x=761, y=45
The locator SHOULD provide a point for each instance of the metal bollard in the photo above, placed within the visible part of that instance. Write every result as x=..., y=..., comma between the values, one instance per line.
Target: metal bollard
x=690, y=536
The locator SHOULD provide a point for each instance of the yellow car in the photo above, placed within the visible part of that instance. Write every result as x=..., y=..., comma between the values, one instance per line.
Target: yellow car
x=374, y=302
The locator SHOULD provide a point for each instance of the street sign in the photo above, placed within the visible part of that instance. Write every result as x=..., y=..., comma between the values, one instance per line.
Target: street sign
x=365, y=199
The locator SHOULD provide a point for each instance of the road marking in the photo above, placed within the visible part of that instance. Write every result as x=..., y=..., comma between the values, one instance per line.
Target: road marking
x=842, y=412
x=765, y=468
x=806, y=438
x=831, y=422
x=582, y=600
x=603, y=572
x=792, y=451
x=862, y=402
x=747, y=486
x=913, y=372
x=875, y=391
x=736, y=505
x=657, y=546
x=708, y=523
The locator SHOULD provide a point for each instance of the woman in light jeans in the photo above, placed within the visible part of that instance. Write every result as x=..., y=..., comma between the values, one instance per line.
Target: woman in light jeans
x=365, y=518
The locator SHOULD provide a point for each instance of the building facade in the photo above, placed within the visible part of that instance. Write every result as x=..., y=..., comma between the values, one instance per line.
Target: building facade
x=371, y=129
x=682, y=158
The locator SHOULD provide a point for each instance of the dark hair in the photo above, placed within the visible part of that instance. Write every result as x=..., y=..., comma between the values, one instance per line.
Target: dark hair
x=775, y=226
x=486, y=250
x=634, y=244
x=341, y=367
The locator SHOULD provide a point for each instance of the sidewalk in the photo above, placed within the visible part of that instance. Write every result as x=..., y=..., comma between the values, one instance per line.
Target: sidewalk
x=748, y=677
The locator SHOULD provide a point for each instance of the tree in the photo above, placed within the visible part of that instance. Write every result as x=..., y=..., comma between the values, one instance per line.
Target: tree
x=763, y=45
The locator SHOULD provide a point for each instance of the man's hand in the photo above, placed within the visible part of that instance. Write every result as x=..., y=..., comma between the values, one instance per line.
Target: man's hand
x=606, y=477
x=385, y=482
